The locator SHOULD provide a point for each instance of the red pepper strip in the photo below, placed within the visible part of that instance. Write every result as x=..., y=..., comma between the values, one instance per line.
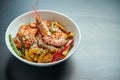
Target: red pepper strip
x=59, y=53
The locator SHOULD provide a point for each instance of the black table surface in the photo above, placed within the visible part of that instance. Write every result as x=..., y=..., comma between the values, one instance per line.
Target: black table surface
x=98, y=55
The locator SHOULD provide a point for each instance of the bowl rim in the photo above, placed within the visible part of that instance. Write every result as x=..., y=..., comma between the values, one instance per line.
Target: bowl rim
x=43, y=64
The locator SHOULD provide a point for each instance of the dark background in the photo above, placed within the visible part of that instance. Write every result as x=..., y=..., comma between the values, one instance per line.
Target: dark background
x=98, y=56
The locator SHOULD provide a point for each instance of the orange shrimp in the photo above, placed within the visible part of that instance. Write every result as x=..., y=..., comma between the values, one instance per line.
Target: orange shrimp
x=27, y=34
x=58, y=38
x=27, y=30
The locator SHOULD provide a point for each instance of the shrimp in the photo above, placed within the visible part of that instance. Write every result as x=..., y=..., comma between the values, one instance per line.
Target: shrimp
x=17, y=42
x=27, y=30
x=27, y=34
x=53, y=49
x=58, y=38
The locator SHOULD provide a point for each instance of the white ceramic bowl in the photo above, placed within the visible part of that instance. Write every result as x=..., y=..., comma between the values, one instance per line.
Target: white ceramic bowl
x=68, y=23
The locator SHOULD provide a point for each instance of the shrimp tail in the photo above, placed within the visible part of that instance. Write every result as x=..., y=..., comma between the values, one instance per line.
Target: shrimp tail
x=43, y=29
x=37, y=16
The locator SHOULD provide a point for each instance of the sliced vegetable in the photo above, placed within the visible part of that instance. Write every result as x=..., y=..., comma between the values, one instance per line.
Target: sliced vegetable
x=66, y=51
x=13, y=46
x=52, y=27
x=59, y=53
x=23, y=49
x=70, y=35
x=60, y=27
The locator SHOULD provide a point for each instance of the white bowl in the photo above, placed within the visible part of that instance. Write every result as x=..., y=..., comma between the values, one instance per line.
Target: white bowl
x=68, y=23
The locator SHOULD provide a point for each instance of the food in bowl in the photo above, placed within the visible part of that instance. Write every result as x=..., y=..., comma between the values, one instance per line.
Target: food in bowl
x=42, y=41
x=51, y=16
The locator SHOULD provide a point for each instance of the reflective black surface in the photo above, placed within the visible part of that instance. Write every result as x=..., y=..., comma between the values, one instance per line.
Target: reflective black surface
x=16, y=70
x=98, y=56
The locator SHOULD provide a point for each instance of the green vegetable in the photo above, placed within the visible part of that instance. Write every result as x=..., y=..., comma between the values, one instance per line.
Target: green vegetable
x=13, y=46
x=23, y=49
x=52, y=27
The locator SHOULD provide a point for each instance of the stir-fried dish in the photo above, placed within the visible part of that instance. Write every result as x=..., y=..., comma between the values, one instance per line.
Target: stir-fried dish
x=42, y=41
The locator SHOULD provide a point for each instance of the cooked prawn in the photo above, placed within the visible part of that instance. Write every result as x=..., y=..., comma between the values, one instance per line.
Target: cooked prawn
x=58, y=38
x=27, y=34
x=27, y=30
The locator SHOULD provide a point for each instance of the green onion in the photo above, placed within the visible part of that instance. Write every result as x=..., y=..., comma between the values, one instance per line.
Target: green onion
x=13, y=46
